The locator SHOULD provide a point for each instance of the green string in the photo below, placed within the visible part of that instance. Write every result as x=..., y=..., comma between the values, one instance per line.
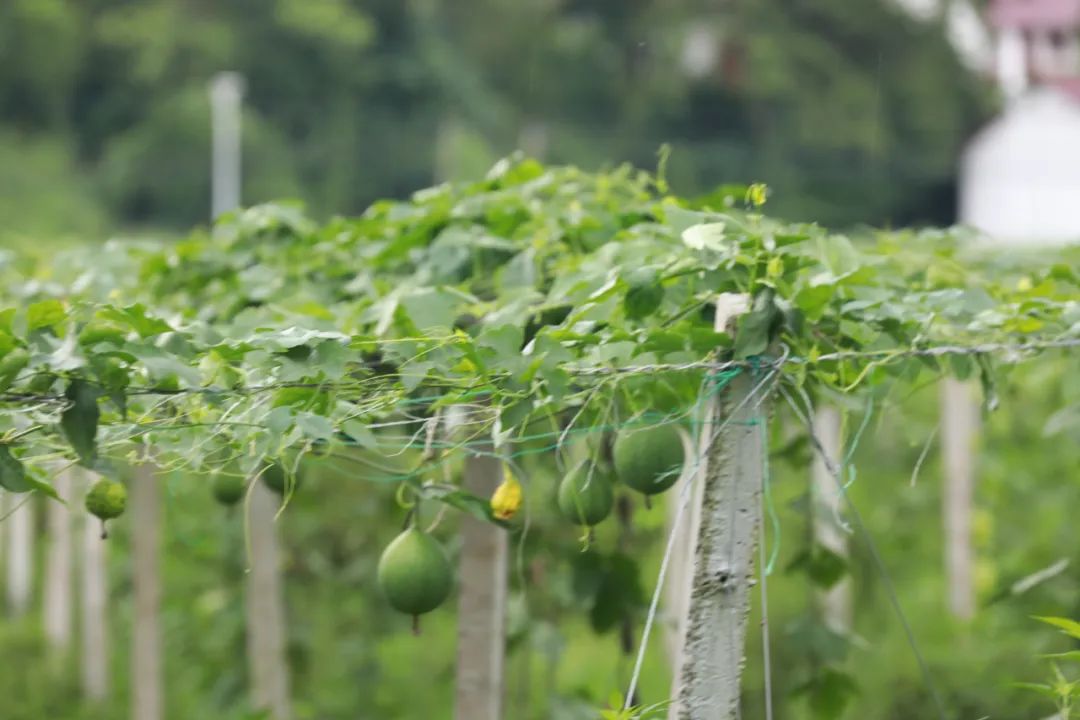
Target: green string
x=770, y=507
x=766, y=482
x=845, y=463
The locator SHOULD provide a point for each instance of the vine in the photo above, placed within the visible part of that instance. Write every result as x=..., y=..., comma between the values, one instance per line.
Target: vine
x=535, y=293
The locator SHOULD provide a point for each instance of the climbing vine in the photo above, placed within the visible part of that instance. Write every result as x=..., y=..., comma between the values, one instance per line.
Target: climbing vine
x=540, y=299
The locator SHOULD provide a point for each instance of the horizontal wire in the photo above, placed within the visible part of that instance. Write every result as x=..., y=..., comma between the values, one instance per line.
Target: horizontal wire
x=644, y=369
x=384, y=401
x=938, y=350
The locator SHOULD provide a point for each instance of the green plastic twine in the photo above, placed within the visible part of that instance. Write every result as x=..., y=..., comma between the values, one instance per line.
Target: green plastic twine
x=845, y=463
x=766, y=482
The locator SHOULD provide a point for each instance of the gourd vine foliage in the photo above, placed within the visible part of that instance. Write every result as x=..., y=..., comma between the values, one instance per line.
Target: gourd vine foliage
x=533, y=297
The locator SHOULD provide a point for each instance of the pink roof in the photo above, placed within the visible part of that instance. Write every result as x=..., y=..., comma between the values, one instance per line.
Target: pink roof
x=1035, y=14
x=1070, y=86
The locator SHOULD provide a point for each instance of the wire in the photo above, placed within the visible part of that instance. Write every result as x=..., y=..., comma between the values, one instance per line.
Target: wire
x=1015, y=349
x=943, y=350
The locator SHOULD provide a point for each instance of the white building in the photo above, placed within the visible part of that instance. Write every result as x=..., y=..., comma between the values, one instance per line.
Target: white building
x=1020, y=176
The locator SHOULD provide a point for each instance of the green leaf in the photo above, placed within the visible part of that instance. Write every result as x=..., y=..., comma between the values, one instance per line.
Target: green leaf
x=44, y=488
x=619, y=594
x=135, y=317
x=961, y=365
x=1069, y=627
x=1045, y=690
x=11, y=365
x=13, y=477
x=514, y=414
x=680, y=219
x=46, y=313
x=814, y=300
x=314, y=426
x=303, y=398
x=164, y=368
x=99, y=331
x=709, y=236
x=79, y=422
x=67, y=356
x=828, y=693
x=331, y=358
x=7, y=343
x=361, y=434
x=478, y=507
x=819, y=639
x=292, y=336
x=831, y=694
x=755, y=327
x=643, y=299
x=414, y=372
x=706, y=340
x=431, y=309
x=824, y=567
x=504, y=342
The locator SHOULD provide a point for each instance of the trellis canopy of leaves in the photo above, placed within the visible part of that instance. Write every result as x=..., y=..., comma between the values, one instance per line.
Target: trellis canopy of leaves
x=533, y=293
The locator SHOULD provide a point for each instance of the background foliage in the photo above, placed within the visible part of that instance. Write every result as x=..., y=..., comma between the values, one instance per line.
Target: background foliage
x=852, y=111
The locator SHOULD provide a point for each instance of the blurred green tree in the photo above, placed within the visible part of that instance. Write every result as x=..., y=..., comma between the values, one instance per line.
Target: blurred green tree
x=852, y=110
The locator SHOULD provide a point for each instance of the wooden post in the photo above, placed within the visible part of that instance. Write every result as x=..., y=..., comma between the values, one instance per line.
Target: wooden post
x=959, y=433
x=446, y=148
x=677, y=593
x=836, y=601
x=709, y=670
x=533, y=138
x=58, y=564
x=482, y=581
x=265, y=602
x=20, y=567
x=266, y=610
x=146, y=673
x=226, y=96
x=95, y=619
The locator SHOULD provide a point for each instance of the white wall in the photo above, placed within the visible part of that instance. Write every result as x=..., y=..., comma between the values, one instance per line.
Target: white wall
x=1020, y=176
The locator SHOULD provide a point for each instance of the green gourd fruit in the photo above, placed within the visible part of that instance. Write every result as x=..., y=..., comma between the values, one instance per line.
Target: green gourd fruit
x=229, y=488
x=275, y=478
x=414, y=574
x=105, y=501
x=584, y=497
x=649, y=459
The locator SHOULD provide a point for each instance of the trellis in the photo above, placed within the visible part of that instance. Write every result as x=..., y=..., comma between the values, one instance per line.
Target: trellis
x=537, y=293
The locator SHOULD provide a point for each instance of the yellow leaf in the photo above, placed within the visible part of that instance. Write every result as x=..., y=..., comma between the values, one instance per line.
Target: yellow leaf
x=506, y=500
